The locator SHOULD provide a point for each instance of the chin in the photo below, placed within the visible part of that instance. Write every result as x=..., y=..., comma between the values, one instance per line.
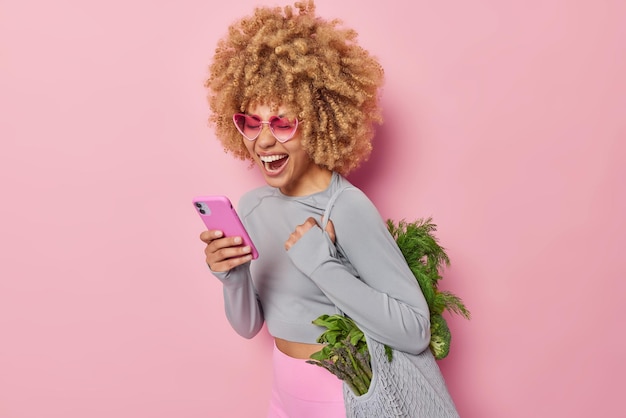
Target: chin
x=275, y=182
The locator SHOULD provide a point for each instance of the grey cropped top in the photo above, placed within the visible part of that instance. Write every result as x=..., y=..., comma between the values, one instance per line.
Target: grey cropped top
x=289, y=289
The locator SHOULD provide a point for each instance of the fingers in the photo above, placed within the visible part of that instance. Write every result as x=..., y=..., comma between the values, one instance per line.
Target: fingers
x=299, y=232
x=208, y=236
x=224, y=253
x=308, y=224
x=330, y=229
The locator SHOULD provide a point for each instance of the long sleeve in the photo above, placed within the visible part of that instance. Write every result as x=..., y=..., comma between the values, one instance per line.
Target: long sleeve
x=383, y=298
x=243, y=309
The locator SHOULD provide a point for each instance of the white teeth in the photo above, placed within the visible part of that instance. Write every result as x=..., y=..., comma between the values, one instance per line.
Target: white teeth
x=271, y=158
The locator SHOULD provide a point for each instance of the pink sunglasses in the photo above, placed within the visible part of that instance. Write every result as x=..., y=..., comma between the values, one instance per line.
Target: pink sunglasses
x=250, y=126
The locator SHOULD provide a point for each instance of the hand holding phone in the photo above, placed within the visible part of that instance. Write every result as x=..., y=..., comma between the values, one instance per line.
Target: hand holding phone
x=218, y=213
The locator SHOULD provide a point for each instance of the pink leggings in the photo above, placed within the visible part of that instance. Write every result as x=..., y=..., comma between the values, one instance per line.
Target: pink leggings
x=302, y=390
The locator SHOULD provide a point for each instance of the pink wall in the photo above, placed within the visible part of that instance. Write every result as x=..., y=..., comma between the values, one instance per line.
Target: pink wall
x=505, y=121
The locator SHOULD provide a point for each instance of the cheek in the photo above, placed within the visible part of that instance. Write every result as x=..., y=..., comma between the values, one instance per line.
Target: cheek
x=249, y=147
x=301, y=158
x=294, y=146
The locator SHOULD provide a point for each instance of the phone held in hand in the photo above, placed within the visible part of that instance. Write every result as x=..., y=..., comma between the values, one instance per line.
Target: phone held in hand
x=218, y=213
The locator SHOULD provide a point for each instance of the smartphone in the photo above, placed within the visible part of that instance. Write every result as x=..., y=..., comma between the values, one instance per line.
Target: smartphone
x=217, y=212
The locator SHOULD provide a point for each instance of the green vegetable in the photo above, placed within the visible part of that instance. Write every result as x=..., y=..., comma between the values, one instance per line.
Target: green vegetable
x=345, y=352
x=426, y=258
x=439, y=336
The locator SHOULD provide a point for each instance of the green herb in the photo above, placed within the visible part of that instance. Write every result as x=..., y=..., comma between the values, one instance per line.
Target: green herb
x=426, y=258
x=345, y=353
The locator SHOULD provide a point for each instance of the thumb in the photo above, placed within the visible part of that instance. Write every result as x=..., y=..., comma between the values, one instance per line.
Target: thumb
x=330, y=229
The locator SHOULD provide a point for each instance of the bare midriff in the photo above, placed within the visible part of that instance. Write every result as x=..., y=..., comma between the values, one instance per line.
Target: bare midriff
x=297, y=350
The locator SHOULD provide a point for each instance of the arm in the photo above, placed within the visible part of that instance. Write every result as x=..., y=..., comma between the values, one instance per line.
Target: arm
x=230, y=263
x=384, y=299
x=243, y=309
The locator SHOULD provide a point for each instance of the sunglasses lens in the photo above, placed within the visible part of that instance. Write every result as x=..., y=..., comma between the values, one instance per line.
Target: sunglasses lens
x=282, y=128
x=248, y=126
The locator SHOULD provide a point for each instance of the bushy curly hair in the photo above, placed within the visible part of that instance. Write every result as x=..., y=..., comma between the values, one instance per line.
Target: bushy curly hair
x=308, y=64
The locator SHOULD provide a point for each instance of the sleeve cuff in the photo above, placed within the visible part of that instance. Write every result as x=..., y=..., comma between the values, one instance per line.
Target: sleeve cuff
x=233, y=277
x=311, y=251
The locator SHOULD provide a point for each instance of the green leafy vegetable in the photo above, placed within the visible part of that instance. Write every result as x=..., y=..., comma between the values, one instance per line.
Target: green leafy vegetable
x=426, y=258
x=345, y=352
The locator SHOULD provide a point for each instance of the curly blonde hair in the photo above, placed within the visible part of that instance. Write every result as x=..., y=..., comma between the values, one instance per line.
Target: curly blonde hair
x=307, y=64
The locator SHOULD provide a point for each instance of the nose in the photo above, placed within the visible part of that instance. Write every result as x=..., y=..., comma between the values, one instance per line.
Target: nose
x=266, y=138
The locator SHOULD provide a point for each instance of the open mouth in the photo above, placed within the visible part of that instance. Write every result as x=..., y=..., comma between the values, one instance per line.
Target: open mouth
x=274, y=163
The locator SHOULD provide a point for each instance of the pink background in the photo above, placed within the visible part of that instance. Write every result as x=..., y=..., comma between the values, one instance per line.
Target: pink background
x=504, y=121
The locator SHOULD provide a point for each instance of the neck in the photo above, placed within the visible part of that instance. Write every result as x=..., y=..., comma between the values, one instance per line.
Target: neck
x=317, y=181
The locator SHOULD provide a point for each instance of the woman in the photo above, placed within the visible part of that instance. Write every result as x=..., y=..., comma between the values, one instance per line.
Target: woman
x=297, y=96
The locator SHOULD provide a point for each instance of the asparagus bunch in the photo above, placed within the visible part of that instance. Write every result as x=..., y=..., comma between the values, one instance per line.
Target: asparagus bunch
x=345, y=352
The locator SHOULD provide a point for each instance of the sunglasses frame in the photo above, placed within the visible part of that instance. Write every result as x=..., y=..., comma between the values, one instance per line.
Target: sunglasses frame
x=264, y=122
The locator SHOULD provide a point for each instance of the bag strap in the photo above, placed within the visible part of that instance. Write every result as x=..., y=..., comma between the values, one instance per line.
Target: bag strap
x=331, y=203
x=336, y=250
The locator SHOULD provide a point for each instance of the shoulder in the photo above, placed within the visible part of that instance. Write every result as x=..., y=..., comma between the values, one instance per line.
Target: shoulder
x=354, y=205
x=348, y=193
